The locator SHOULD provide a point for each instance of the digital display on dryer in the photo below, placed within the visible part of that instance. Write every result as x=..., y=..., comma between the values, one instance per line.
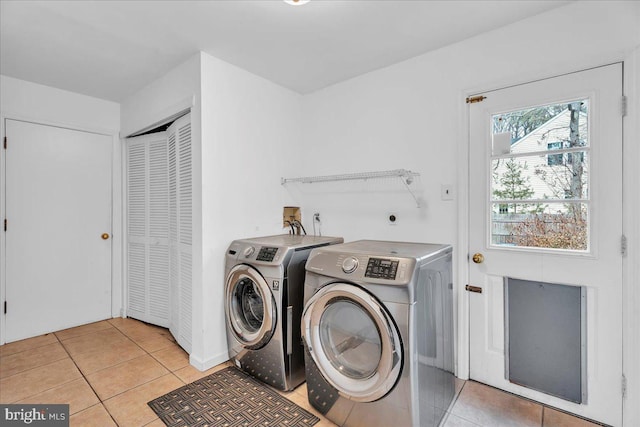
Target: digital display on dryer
x=380, y=268
x=266, y=254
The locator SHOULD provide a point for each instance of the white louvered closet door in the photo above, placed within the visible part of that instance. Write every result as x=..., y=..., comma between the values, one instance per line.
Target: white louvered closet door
x=148, y=229
x=180, y=229
x=159, y=252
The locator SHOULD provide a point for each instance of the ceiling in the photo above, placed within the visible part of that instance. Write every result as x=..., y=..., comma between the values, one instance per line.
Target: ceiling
x=111, y=49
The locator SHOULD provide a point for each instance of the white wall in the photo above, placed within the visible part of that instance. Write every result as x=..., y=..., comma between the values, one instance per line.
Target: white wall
x=249, y=128
x=412, y=115
x=31, y=101
x=170, y=94
x=24, y=100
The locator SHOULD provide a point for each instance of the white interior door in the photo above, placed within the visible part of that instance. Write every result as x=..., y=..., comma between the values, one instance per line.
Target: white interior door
x=546, y=206
x=58, y=206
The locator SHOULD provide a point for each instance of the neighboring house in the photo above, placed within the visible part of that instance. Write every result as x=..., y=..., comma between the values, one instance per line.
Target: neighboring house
x=548, y=175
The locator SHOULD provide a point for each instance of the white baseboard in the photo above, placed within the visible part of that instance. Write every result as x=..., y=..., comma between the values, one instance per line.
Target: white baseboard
x=204, y=364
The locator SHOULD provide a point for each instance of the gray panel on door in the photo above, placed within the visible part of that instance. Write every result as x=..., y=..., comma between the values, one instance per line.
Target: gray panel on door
x=545, y=333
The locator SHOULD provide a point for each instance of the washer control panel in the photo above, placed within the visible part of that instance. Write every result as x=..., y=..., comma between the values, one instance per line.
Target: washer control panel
x=266, y=253
x=381, y=268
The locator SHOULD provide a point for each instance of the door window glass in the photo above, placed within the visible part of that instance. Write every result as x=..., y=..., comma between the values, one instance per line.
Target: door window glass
x=350, y=339
x=540, y=177
x=248, y=305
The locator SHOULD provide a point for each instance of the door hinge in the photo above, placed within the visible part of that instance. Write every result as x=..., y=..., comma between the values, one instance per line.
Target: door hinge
x=476, y=289
x=623, y=245
x=623, y=105
x=5, y=224
x=624, y=386
x=474, y=99
x=5, y=307
x=5, y=143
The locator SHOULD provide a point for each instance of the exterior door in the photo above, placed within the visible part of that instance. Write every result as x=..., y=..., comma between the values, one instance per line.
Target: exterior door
x=546, y=209
x=352, y=341
x=58, y=238
x=250, y=307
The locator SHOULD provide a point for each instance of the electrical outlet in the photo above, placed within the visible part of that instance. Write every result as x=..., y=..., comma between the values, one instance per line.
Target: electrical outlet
x=316, y=217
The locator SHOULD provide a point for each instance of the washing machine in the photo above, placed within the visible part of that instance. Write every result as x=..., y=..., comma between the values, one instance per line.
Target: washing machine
x=378, y=333
x=264, y=291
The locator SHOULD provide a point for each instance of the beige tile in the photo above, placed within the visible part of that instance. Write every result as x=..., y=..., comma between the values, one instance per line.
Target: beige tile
x=29, y=343
x=154, y=342
x=326, y=423
x=37, y=380
x=140, y=330
x=553, y=418
x=97, y=341
x=83, y=330
x=125, y=376
x=115, y=354
x=302, y=389
x=172, y=358
x=119, y=322
x=488, y=406
x=189, y=374
x=453, y=421
x=303, y=402
x=76, y=393
x=157, y=423
x=94, y=416
x=29, y=359
x=130, y=408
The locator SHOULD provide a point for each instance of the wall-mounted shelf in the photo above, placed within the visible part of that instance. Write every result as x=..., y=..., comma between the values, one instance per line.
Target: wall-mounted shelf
x=405, y=175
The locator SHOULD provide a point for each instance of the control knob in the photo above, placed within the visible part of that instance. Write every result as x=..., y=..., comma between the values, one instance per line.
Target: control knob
x=249, y=251
x=350, y=265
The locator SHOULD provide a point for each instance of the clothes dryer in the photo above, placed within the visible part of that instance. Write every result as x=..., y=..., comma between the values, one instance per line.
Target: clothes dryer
x=378, y=333
x=263, y=305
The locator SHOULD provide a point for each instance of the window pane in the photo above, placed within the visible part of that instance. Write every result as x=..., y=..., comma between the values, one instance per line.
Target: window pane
x=538, y=177
x=562, y=125
x=550, y=225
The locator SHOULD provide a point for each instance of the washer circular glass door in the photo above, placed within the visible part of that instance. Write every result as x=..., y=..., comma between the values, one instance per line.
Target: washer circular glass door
x=353, y=342
x=250, y=307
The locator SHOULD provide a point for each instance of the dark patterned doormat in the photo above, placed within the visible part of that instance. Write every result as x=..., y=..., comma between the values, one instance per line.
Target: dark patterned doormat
x=229, y=398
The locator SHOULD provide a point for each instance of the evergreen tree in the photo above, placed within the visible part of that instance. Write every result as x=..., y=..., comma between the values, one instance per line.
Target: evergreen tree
x=513, y=186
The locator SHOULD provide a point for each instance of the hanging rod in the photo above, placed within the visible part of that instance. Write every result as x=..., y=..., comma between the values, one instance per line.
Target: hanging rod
x=406, y=175
x=401, y=173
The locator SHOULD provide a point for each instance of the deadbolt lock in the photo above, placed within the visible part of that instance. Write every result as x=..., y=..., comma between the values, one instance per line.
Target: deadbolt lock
x=105, y=236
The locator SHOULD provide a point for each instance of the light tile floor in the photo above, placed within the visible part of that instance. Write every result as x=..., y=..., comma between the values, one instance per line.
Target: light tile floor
x=107, y=372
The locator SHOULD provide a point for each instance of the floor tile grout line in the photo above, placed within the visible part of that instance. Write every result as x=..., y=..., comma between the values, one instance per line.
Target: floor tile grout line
x=34, y=367
x=31, y=348
x=38, y=367
x=100, y=400
x=90, y=386
x=82, y=334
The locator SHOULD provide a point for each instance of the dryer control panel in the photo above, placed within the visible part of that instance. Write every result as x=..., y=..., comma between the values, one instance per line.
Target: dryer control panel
x=381, y=268
x=267, y=253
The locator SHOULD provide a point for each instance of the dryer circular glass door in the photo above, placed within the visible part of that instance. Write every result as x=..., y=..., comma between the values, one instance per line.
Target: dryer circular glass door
x=249, y=306
x=353, y=341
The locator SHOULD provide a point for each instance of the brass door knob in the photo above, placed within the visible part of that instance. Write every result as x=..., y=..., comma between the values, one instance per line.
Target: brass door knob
x=478, y=258
x=105, y=236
